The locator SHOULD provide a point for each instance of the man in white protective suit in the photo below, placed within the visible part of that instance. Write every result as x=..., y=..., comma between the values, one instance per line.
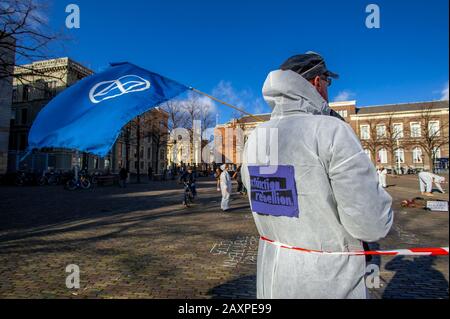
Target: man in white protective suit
x=382, y=176
x=426, y=180
x=226, y=187
x=320, y=191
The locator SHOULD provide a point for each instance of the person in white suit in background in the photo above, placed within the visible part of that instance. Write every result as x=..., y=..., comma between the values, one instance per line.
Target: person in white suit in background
x=382, y=176
x=426, y=180
x=225, y=187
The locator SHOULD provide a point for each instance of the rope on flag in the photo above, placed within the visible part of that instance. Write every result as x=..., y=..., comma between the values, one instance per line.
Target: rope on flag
x=226, y=104
x=443, y=251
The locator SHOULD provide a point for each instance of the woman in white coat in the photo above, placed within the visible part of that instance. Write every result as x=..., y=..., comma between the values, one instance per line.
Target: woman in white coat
x=226, y=187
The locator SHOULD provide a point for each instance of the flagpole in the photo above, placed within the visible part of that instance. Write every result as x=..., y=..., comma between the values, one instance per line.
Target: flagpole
x=227, y=104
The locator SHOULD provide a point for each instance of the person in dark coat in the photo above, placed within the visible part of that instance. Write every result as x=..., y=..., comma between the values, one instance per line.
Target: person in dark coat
x=123, y=176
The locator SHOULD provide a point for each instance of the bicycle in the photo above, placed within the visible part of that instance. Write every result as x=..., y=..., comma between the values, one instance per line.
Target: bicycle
x=188, y=194
x=83, y=182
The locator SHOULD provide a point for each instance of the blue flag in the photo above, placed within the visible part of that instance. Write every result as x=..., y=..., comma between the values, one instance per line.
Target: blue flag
x=89, y=115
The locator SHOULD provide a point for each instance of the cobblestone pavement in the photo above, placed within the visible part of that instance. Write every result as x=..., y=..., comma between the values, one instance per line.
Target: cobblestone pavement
x=141, y=243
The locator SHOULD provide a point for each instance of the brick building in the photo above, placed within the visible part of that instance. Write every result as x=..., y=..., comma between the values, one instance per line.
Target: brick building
x=152, y=128
x=397, y=136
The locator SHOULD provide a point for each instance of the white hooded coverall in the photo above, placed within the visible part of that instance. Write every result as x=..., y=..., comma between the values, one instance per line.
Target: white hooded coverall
x=382, y=176
x=226, y=188
x=340, y=202
x=426, y=182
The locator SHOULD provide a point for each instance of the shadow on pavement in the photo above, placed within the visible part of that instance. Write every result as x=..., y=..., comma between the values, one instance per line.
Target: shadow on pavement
x=415, y=279
x=115, y=211
x=240, y=288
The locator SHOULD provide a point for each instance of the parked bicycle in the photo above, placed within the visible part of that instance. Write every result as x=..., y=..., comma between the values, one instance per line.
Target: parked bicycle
x=24, y=178
x=51, y=178
x=83, y=182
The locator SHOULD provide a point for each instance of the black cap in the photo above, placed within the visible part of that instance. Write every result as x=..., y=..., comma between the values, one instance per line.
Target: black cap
x=308, y=65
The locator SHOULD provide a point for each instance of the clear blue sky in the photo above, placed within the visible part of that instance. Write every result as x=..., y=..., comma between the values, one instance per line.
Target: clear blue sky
x=228, y=47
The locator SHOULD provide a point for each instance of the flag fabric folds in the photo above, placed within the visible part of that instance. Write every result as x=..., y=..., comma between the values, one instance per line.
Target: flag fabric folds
x=89, y=115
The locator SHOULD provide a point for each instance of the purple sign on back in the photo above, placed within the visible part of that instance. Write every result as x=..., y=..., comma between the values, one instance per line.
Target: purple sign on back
x=274, y=194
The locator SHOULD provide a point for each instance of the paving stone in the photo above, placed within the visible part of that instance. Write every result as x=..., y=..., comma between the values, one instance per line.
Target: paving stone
x=140, y=242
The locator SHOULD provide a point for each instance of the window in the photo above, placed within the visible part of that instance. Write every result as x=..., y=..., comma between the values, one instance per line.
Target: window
x=399, y=155
x=343, y=113
x=416, y=130
x=14, y=95
x=23, y=142
x=25, y=93
x=382, y=156
x=433, y=128
x=149, y=153
x=437, y=152
x=24, y=116
x=368, y=153
x=417, y=155
x=381, y=131
x=398, y=131
x=365, y=132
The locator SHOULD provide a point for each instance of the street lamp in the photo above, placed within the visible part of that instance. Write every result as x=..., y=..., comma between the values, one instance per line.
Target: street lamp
x=398, y=158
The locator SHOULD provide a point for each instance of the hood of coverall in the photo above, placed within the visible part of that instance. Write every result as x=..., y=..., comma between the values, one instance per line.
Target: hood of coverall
x=287, y=93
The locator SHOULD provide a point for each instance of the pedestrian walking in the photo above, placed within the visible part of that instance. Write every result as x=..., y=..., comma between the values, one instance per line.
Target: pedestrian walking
x=217, y=177
x=226, y=187
x=382, y=176
x=123, y=176
x=238, y=177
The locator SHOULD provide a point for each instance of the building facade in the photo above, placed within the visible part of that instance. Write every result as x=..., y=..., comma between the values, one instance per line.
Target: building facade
x=6, y=91
x=41, y=81
x=147, y=151
x=398, y=137
x=34, y=86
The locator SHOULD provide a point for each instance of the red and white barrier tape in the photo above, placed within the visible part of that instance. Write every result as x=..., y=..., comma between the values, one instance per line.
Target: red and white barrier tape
x=443, y=251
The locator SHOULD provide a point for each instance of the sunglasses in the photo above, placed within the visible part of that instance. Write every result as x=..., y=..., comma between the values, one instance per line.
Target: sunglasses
x=327, y=79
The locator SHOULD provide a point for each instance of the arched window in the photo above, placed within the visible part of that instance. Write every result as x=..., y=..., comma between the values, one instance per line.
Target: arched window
x=417, y=155
x=382, y=156
x=399, y=155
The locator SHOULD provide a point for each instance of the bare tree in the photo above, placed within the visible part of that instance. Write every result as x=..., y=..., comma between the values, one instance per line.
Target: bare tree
x=433, y=135
x=155, y=128
x=374, y=140
x=177, y=114
x=391, y=139
x=206, y=117
x=197, y=109
x=131, y=135
x=24, y=33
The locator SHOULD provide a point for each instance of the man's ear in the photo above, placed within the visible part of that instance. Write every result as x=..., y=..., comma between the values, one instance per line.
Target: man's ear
x=316, y=82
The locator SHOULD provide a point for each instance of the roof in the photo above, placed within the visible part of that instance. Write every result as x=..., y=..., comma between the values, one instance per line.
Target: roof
x=388, y=108
x=249, y=119
x=418, y=106
x=51, y=63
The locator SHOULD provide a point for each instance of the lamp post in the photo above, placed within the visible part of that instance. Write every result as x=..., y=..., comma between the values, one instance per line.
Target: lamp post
x=398, y=158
